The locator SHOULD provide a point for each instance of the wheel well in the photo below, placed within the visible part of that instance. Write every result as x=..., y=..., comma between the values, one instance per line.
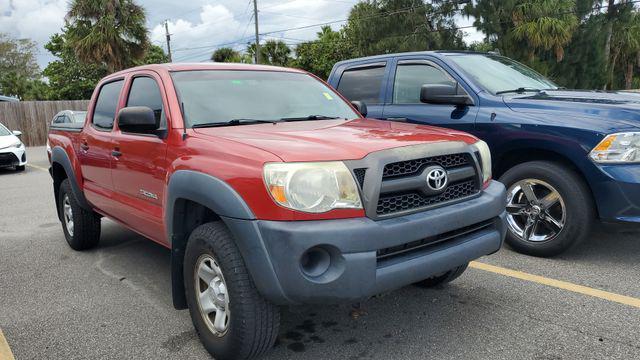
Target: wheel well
x=59, y=175
x=187, y=216
x=515, y=157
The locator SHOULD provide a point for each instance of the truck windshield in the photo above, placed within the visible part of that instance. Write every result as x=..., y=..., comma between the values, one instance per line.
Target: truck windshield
x=218, y=97
x=498, y=74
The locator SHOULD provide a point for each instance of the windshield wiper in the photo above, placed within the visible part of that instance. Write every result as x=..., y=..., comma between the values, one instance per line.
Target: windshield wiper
x=234, y=122
x=519, y=90
x=310, y=117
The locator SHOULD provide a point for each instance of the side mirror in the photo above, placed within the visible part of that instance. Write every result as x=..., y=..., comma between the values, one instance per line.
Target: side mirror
x=137, y=119
x=361, y=107
x=448, y=94
x=17, y=133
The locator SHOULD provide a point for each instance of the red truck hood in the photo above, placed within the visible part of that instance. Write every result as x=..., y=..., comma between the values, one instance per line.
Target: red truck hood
x=324, y=140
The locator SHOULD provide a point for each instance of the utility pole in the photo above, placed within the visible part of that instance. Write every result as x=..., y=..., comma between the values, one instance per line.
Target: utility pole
x=166, y=30
x=255, y=16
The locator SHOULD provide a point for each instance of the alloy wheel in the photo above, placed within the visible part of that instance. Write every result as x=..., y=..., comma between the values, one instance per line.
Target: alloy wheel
x=535, y=211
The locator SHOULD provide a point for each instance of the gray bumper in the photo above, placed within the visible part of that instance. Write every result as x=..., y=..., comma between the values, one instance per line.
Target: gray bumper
x=272, y=250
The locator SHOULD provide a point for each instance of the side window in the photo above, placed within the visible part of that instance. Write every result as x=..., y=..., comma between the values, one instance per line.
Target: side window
x=145, y=92
x=57, y=120
x=410, y=78
x=362, y=84
x=106, y=105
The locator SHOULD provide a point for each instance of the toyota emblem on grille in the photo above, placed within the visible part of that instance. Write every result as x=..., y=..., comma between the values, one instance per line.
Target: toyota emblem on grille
x=437, y=178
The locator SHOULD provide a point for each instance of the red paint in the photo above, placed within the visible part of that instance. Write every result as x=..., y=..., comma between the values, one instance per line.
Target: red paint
x=234, y=154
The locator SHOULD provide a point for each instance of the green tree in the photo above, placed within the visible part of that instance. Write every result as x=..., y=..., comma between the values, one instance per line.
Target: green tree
x=386, y=26
x=275, y=52
x=108, y=32
x=19, y=71
x=226, y=54
x=272, y=52
x=319, y=56
x=69, y=78
x=545, y=25
x=154, y=55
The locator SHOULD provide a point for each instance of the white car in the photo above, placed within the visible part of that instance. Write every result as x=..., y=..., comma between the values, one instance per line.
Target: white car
x=12, y=151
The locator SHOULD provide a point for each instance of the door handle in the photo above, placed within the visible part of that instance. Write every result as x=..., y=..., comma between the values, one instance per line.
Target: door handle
x=116, y=153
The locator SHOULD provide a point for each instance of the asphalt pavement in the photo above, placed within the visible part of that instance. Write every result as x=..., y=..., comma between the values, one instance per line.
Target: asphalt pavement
x=114, y=302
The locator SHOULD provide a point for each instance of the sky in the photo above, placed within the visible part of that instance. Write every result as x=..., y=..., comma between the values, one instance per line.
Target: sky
x=198, y=27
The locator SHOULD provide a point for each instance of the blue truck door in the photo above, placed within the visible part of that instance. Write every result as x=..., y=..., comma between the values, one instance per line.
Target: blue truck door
x=406, y=77
x=364, y=82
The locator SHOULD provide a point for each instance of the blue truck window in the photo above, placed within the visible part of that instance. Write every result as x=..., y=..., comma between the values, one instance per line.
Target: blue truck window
x=410, y=78
x=362, y=84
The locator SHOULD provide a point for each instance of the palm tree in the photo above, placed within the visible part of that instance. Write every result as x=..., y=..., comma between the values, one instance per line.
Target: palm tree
x=272, y=52
x=625, y=46
x=226, y=54
x=546, y=25
x=108, y=32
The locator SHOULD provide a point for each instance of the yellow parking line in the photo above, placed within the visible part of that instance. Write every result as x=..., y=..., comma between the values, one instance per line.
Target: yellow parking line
x=5, y=351
x=605, y=295
x=38, y=167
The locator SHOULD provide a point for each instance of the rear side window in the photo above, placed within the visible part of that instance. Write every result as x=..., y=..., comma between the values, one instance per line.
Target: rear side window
x=411, y=77
x=106, y=105
x=362, y=84
x=145, y=92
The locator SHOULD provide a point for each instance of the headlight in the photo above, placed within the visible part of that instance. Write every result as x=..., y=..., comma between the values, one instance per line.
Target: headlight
x=485, y=160
x=312, y=187
x=618, y=148
x=14, y=145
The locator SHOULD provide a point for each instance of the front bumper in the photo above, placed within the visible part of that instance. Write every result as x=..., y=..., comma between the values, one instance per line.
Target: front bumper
x=617, y=193
x=11, y=157
x=358, y=268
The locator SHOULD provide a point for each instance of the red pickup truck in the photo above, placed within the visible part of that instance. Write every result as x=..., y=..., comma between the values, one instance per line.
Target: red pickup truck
x=271, y=189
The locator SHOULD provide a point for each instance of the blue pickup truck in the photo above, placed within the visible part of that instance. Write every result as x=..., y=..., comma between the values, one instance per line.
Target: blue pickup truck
x=567, y=157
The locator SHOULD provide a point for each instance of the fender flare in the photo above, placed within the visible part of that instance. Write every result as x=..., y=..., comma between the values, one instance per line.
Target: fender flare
x=209, y=191
x=60, y=156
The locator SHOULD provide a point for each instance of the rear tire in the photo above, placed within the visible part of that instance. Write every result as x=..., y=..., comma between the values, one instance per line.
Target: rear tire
x=81, y=227
x=443, y=279
x=217, y=283
x=573, y=208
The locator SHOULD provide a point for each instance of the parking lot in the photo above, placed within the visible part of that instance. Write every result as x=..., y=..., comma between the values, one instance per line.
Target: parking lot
x=115, y=301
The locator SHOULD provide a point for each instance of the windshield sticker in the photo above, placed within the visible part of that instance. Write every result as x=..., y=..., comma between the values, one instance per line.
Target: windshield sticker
x=236, y=82
x=327, y=95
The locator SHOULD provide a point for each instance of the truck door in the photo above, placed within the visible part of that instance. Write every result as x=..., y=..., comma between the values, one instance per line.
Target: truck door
x=364, y=82
x=139, y=162
x=95, y=147
x=403, y=96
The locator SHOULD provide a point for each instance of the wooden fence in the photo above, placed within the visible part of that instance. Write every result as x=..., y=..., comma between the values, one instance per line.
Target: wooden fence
x=34, y=117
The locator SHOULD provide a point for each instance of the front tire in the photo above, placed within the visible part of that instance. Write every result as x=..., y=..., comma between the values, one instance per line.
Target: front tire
x=231, y=318
x=81, y=227
x=549, y=208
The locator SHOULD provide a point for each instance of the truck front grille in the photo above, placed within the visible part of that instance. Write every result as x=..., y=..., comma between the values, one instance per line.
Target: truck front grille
x=388, y=204
x=412, y=167
x=386, y=256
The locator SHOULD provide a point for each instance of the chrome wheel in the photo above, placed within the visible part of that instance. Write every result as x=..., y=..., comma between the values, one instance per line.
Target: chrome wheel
x=535, y=210
x=212, y=295
x=67, y=214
